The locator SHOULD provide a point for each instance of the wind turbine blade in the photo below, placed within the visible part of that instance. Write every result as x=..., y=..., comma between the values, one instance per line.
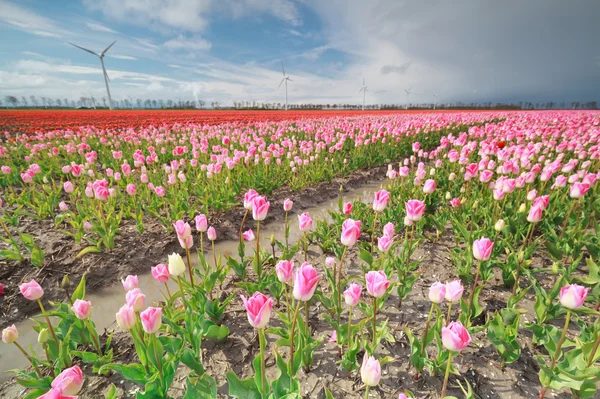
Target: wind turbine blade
x=290, y=80
x=84, y=49
x=280, y=83
x=106, y=49
x=106, y=75
x=363, y=81
x=282, y=70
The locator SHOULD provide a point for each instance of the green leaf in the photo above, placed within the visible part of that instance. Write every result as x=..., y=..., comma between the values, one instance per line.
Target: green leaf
x=10, y=254
x=203, y=388
x=88, y=250
x=366, y=256
x=242, y=389
x=79, y=292
x=133, y=372
x=86, y=357
x=112, y=392
x=41, y=383
x=218, y=333
x=189, y=359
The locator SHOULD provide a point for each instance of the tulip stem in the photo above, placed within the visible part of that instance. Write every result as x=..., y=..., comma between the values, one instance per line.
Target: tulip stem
x=367, y=392
x=49, y=324
x=447, y=374
x=258, y=265
x=305, y=247
x=189, y=262
x=557, y=351
x=262, y=340
x=593, y=353
x=202, y=243
x=159, y=362
x=527, y=238
x=180, y=288
x=373, y=233
x=168, y=290
x=292, y=340
x=95, y=338
x=374, y=325
x=286, y=231
x=242, y=225
x=49, y=360
x=566, y=221
x=449, y=312
x=24, y=352
x=423, y=341
x=339, y=285
x=472, y=296
x=349, y=327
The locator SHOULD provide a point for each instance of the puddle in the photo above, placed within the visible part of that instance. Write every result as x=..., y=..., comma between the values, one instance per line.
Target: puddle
x=107, y=302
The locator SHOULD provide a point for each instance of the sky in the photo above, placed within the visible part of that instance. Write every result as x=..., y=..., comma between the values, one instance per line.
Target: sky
x=232, y=50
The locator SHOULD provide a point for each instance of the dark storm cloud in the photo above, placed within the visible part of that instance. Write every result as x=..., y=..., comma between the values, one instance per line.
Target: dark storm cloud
x=511, y=49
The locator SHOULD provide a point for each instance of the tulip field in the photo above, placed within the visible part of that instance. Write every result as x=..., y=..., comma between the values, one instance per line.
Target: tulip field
x=473, y=271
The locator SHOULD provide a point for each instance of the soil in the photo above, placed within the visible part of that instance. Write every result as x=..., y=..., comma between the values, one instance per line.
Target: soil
x=479, y=364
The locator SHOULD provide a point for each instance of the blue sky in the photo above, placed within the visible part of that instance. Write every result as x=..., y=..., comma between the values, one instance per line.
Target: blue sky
x=231, y=50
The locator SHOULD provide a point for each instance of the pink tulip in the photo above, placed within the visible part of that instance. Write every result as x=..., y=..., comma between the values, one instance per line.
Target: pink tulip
x=161, y=273
x=415, y=210
x=370, y=371
x=531, y=195
x=482, y=249
x=248, y=235
x=388, y=230
x=260, y=208
x=31, y=290
x=125, y=318
x=382, y=197
x=535, y=214
x=287, y=205
x=402, y=396
x=578, y=190
x=350, y=232
x=68, y=187
x=131, y=189
x=498, y=195
x=258, y=307
x=384, y=243
x=10, y=334
x=160, y=191
x=573, y=296
x=377, y=283
x=429, y=186
x=82, y=309
x=486, y=176
x=151, y=319
x=69, y=382
x=249, y=199
x=352, y=294
x=347, y=208
x=211, y=233
x=455, y=202
x=305, y=282
x=455, y=337
x=437, y=292
x=201, y=223
x=63, y=206
x=305, y=222
x=333, y=337
x=6, y=170
x=130, y=282
x=135, y=299
x=403, y=171
x=416, y=146
x=285, y=270
x=542, y=201
x=56, y=394
x=330, y=261
x=454, y=291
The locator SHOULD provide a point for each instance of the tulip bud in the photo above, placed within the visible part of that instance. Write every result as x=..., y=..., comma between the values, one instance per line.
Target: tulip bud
x=520, y=256
x=341, y=188
x=448, y=195
x=43, y=336
x=499, y=226
x=272, y=239
x=475, y=205
x=65, y=283
x=555, y=268
x=522, y=208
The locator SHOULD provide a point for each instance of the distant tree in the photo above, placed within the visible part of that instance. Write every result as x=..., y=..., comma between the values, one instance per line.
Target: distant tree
x=161, y=103
x=59, y=102
x=201, y=104
x=24, y=101
x=12, y=100
x=154, y=103
x=170, y=103
x=33, y=100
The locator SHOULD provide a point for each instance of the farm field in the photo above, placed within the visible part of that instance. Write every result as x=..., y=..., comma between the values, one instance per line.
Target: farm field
x=300, y=254
x=30, y=121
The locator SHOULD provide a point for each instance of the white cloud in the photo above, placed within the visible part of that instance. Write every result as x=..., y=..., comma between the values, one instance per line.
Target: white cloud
x=185, y=43
x=100, y=28
x=28, y=21
x=191, y=15
x=121, y=57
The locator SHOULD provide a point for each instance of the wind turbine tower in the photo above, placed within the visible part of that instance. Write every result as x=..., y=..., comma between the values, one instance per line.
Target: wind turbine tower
x=407, y=96
x=101, y=56
x=435, y=99
x=285, y=79
x=364, y=91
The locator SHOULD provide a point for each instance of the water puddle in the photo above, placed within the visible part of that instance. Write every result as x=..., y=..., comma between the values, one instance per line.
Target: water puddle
x=107, y=302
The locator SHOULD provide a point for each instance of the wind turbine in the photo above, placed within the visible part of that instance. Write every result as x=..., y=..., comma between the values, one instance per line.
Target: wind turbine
x=285, y=79
x=101, y=56
x=407, y=95
x=364, y=90
x=435, y=100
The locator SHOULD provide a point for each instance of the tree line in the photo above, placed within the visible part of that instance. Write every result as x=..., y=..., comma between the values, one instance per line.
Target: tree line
x=91, y=102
